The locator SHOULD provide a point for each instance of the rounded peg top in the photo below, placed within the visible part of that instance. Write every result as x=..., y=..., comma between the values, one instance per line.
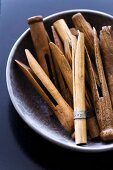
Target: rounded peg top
x=34, y=19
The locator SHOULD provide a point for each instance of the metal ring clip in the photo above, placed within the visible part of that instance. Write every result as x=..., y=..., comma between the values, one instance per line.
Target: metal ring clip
x=79, y=114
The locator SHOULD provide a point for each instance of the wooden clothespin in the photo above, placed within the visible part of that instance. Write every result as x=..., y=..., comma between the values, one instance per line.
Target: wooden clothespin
x=62, y=110
x=40, y=40
x=101, y=97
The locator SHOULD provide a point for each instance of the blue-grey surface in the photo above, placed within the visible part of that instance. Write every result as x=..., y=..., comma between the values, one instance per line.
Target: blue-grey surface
x=20, y=147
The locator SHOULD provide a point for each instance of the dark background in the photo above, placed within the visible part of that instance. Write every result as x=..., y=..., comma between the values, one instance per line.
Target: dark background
x=20, y=147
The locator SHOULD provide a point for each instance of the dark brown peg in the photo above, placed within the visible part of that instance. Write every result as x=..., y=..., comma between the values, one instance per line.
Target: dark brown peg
x=40, y=40
x=101, y=97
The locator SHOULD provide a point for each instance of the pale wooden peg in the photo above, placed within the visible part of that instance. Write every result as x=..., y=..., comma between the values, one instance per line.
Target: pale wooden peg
x=63, y=64
x=66, y=112
x=79, y=90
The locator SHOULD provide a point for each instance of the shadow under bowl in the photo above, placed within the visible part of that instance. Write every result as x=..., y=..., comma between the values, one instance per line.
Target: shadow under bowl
x=29, y=104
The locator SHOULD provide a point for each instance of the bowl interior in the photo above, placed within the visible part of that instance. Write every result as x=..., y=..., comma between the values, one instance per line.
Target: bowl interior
x=29, y=104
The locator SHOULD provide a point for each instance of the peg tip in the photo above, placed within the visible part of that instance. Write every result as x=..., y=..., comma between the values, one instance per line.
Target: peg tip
x=34, y=19
x=107, y=134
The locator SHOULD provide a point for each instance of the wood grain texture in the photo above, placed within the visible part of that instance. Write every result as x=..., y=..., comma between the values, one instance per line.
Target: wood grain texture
x=79, y=90
x=82, y=25
x=106, y=42
x=66, y=37
x=41, y=43
x=92, y=124
x=63, y=30
x=62, y=85
x=29, y=74
x=65, y=115
x=67, y=51
x=63, y=65
x=102, y=100
x=57, y=39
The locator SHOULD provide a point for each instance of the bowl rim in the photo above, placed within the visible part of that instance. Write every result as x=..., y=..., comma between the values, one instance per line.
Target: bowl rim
x=27, y=120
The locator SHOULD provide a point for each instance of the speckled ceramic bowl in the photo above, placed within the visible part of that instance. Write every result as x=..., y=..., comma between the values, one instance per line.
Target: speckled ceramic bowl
x=28, y=102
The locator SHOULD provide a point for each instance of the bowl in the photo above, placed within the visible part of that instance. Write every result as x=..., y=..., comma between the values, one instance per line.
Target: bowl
x=29, y=104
